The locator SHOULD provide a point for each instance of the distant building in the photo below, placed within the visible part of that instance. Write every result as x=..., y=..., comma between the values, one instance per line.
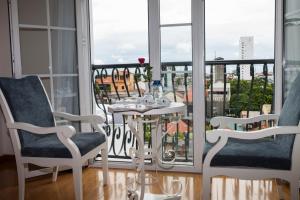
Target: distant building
x=218, y=91
x=270, y=76
x=218, y=98
x=218, y=75
x=119, y=85
x=246, y=52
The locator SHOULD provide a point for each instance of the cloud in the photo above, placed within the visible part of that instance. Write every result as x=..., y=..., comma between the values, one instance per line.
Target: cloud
x=184, y=47
x=127, y=46
x=118, y=58
x=227, y=20
x=120, y=29
x=98, y=61
x=171, y=12
x=113, y=16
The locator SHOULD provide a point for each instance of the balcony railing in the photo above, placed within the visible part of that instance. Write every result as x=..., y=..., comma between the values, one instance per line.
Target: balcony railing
x=231, y=90
x=258, y=77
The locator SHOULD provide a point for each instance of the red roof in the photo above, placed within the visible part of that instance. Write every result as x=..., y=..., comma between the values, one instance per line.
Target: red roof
x=189, y=97
x=182, y=127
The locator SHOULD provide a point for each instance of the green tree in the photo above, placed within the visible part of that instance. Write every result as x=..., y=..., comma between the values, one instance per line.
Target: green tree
x=254, y=100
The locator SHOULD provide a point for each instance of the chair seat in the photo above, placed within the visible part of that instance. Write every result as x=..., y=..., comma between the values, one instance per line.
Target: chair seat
x=260, y=153
x=51, y=147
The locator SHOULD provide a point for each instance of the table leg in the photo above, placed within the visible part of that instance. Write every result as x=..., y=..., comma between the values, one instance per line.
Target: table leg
x=137, y=128
x=141, y=153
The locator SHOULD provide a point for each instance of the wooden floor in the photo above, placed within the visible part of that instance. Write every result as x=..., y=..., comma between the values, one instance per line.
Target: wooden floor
x=41, y=188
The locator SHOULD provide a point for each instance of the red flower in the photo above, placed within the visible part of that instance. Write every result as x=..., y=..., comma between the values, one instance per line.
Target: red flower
x=141, y=60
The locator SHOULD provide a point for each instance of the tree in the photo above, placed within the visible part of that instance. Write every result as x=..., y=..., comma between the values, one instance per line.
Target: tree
x=254, y=100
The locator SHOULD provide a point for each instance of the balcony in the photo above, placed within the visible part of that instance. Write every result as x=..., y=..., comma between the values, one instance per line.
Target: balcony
x=235, y=97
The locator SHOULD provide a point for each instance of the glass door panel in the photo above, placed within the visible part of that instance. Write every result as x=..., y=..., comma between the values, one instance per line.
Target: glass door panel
x=176, y=44
x=62, y=13
x=34, y=51
x=64, y=57
x=66, y=94
x=120, y=37
x=32, y=12
x=48, y=48
x=244, y=32
x=64, y=52
x=120, y=31
x=176, y=73
x=291, y=42
x=175, y=12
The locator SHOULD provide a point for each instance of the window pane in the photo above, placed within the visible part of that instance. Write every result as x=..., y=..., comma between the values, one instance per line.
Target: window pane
x=176, y=44
x=64, y=58
x=34, y=51
x=292, y=32
x=177, y=86
x=120, y=31
x=291, y=43
x=62, y=13
x=47, y=86
x=32, y=12
x=172, y=12
x=227, y=21
x=66, y=94
x=292, y=8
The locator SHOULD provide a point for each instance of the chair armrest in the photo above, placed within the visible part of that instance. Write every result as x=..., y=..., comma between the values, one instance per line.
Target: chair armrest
x=220, y=137
x=223, y=122
x=94, y=120
x=63, y=133
x=87, y=118
x=66, y=131
x=214, y=135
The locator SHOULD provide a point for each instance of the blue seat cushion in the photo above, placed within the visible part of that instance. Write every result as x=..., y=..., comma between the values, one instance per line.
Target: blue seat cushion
x=260, y=153
x=51, y=147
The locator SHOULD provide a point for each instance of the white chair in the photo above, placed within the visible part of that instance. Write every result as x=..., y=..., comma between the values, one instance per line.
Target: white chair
x=36, y=139
x=267, y=153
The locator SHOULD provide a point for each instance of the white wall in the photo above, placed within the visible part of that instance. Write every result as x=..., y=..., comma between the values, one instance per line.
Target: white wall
x=5, y=70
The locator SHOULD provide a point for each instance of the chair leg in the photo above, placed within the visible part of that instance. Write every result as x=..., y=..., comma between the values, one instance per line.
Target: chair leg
x=77, y=178
x=104, y=154
x=294, y=189
x=206, y=185
x=21, y=180
x=54, y=174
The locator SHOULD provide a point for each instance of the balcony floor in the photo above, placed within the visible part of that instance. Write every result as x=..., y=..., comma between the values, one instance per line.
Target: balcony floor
x=43, y=188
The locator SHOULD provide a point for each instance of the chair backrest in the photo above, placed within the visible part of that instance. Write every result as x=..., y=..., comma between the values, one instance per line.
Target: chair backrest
x=28, y=103
x=290, y=115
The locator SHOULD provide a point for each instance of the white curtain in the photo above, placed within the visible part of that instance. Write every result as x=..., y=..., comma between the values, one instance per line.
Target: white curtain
x=291, y=42
x=64, y=56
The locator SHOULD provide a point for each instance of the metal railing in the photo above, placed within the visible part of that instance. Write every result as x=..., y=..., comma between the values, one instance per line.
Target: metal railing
x=261, y=71
x=117, y=81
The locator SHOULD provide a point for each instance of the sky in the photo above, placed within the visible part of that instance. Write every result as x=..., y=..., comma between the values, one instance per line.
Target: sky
x=120, y=29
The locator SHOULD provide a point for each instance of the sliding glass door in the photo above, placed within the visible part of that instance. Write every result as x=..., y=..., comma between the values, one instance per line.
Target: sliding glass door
x=46, y=31
x=160, y=31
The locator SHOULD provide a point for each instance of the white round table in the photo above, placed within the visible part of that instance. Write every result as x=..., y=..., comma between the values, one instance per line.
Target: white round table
x=133, y=109
x=136, y=127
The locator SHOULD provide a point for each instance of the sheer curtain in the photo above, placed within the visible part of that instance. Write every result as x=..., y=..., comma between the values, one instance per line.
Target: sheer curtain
x=291, y=42
x=64, y=55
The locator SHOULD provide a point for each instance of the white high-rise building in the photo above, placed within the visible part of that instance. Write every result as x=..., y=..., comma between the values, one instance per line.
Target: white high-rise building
x=246, y=53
